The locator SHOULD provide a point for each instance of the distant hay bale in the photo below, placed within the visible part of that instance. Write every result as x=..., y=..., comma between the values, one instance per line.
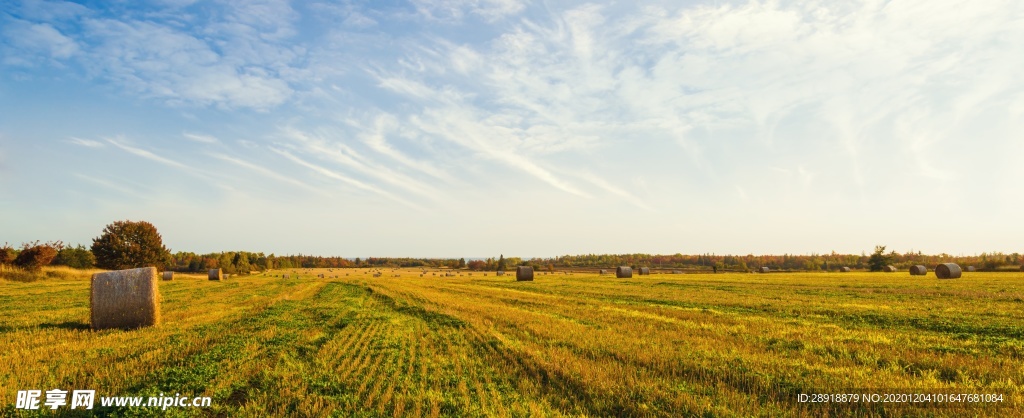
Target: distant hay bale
x=645, y=271
x=524, y=274
x=1022, y=268
x=918, y=270
x=602, y=271
x=168, y=275
x=948, y=271
x=971, y=269
x=124, y=299
x=502, y=273
x=764, y=270
x=844, y=269
x=216, y=274
x=677, y=272
x=285, y=276
x=889, y=269
x=623, y=272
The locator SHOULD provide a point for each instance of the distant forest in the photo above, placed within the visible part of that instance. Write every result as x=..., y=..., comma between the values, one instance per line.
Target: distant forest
x=241, y=261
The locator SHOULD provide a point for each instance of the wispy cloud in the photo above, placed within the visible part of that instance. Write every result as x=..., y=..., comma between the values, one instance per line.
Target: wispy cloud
x=456, y=10
x=266, y=172
x=339, y=153
x=85, y=142
x=151, y=156
x=30, y=39
x=118, y=187
x=206, y=139
x=344, y=179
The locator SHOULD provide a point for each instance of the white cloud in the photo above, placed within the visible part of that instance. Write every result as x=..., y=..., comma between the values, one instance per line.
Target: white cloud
x=456, y=10
x=205, y=139
x=31, y=38
x=85, y=142
x=337, y=152
x=162, y=62
x=266, y=172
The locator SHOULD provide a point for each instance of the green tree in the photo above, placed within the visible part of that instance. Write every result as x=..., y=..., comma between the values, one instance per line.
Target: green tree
x=77, y=257
x=879, y=259
x=501, y=263
x=127, y=244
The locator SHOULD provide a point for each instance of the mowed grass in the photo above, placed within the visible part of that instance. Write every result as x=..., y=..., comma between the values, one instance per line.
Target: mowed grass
x=563, y=345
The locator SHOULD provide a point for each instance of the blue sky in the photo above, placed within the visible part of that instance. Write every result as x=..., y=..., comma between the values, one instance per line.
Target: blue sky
x=526, y=128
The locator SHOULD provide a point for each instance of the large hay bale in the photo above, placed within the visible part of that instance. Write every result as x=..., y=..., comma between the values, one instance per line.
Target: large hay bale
x=124, y=299
x=971, y=268
x=844, y=269
x=889, y=269
x=918, y=270
x=168, y=275
x=764, y=270
x=948, y=271
x=215, y=274
x=1022, y=268
x=524, y=274
x=645, y=271
x=624, y=272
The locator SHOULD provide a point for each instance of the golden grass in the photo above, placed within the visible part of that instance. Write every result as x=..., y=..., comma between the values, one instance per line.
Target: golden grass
x=583, y=344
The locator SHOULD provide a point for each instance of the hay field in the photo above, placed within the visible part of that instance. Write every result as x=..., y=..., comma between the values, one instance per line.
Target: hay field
x=561, y=345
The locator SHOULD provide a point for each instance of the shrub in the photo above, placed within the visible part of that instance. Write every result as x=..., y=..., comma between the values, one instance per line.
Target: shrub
x=7, y=254
x=35, y=255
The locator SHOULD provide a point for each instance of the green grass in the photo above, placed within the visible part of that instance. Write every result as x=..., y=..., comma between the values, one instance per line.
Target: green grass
x=578, y=345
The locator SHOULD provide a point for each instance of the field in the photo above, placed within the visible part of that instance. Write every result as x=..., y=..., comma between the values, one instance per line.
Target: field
x=563, y=345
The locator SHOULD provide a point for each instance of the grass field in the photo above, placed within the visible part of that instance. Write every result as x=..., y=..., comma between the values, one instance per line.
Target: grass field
x=563, y=345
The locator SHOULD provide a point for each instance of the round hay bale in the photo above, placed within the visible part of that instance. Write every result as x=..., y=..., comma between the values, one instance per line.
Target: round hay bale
x=918, y=270
x=844, y=269
x=524, y=274
x=971, y=269
x=499, y=273
x=168, y=275
x=948, y=271
x=645, y=271
x=889, y=269
x=216, y=274
x=124, y=299
x=624, y=272
x=677, y=272
x=1022, y=268
x=763, y=270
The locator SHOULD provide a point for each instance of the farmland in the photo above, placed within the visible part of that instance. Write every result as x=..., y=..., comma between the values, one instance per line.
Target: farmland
x=351, y=344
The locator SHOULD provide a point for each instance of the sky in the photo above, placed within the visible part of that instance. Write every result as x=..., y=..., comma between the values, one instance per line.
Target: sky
x=473, y=128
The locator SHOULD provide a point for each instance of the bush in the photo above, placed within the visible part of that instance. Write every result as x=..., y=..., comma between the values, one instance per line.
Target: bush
x=35, y=255
x=127, y=244
x=77, y=257
x=7, y=254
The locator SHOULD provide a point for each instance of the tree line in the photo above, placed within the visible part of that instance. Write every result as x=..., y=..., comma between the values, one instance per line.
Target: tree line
x=128, y=244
